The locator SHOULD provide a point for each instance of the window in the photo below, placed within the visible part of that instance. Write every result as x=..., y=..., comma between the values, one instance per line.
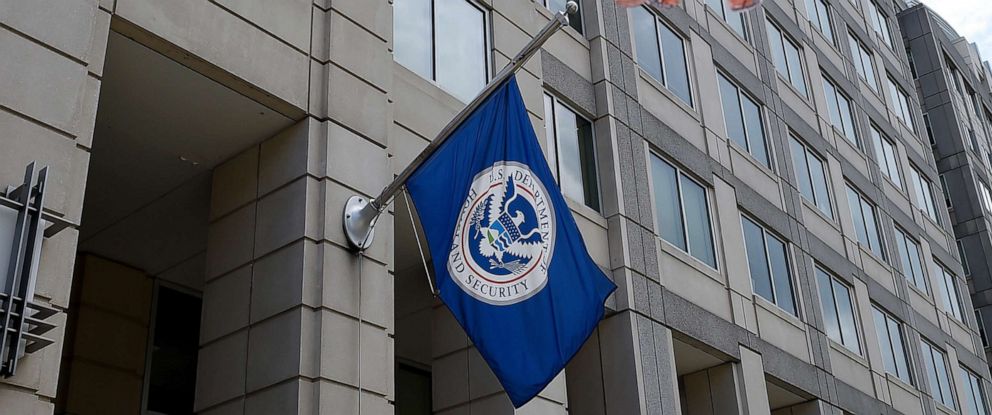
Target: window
x=841, y=114
x=574, y=20
x=787, y=57
x=811, y=176
x=924, y=194
x=986, y=195
x=865, y=222
x=964, y=258
x=900, y=104
x=948, y=291
x=413, y=390
x=768, y=263
x=912, y=265
x=573, y=152
x=172, y=354
x=863, y=62
x=661, y=53
x=946, y=190
x=974, y=394
x=736, y=20
x=878, y=22
x=818, y=12
x=935, y=363
x=885, y=156
x=890, y=341
x=980, y=322
x=837, y=303
x=742, y=116
x=444, y=41
x=683, y=211
x=926, y=123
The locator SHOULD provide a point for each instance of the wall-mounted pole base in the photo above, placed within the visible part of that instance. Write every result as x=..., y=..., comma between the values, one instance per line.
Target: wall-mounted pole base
x=359, y=218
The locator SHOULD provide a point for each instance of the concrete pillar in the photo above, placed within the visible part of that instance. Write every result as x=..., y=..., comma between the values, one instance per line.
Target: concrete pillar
x=638, y=366
x=47, y=113
x=755, y=398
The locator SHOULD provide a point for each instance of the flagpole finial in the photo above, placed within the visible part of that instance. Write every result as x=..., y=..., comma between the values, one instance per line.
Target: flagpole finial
x=571, y=7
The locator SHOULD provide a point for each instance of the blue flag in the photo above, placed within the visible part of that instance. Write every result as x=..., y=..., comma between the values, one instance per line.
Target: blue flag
x=509, y=260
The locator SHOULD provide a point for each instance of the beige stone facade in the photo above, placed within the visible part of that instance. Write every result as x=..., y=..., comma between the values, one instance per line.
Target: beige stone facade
x=204, y=150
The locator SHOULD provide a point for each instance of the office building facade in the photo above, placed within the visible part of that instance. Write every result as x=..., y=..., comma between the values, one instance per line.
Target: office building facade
x=759, y=186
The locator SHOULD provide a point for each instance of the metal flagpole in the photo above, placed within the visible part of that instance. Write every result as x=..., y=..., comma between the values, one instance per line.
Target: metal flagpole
x=360, y=215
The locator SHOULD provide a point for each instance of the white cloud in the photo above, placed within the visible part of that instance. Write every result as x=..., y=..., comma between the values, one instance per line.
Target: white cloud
x=970, y=18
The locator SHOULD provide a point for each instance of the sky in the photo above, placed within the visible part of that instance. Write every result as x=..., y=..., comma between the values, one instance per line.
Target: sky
x=970, y=18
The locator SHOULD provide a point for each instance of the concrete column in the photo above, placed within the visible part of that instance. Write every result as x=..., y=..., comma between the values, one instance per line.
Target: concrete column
x=755, y=399
x=47, y=114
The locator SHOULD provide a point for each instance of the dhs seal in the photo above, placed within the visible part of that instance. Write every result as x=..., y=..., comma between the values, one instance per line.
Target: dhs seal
x=504, y=237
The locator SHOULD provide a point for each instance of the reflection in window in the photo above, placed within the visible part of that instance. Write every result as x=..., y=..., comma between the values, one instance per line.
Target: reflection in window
x=865, y=222
x=742, y=116
x=811, y=175
x=899, y=102
x=819, y=16
x=839, y=107
x=935, y=363
x=863, y=61
x=444, y=41
x=948, y=291
x=661, y=52
x=683, y=211
x=786, y=55
x=974, y=393
x=912, y=265
x=924, y=195
x=885, y=156
x=736, y=20
x=890, y=342
x=572, y=152
x=768, y=263
x=837, y=302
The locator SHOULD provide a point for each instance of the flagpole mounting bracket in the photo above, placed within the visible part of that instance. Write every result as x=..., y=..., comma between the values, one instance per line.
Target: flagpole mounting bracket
x=359, y=221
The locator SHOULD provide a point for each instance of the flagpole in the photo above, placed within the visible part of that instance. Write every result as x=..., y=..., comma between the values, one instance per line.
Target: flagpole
x=360, y=214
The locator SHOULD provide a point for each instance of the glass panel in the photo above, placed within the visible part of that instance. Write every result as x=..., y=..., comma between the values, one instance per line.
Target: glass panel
x=757, y=263
x=666, y=202
x=890, y=160
x=847, y=118
x=732, y=112
x=907, y=269
x=673, y=50
x=569, y=159
x=550, y=134
x=824, y=14
x=940, y=364
x=587, y=161
x=898, y=350
x=819, y=175
x=755, y=130
x=646, y=42
x=869, y=68
x=854, y=201
x=172, y=377
x=882, y=330
x=575, y=20
x=795, y=67
x=780, y=275
x=697, y=220
x=913, y=250
x=827, y=304
x=802, y=169
x=737, y=22
x=871, y=227
x=845, y=315
x=461, y=46
x=412, y=36
x=931, y=368
x=832, y=106
x=778, y=50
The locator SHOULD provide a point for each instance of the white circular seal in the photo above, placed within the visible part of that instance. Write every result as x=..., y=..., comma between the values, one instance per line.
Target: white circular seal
x=504, y=237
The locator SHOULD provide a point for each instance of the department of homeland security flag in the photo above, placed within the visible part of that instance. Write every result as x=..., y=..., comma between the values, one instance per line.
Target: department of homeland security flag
x=509, y=259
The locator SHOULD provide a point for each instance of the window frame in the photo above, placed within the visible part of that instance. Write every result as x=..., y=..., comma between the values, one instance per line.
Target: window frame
x=888, y=319
x=906, y=260
x=860, y=51
x=950, y=294
x=978, y=401
x=923, y=187
x=807, y=154
x=881, y=156
x=741, y=96
x=791, y=278
x=487, y=47
x=862, y=200
x=819, y=23
x=686, y=56
x=787, y=41
x=679, y=174
x=927, y=351
x=554, y=146
x=839, y=94
x=899, y=104
x=724, y=14
x=879, y=22
x=855, y=316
